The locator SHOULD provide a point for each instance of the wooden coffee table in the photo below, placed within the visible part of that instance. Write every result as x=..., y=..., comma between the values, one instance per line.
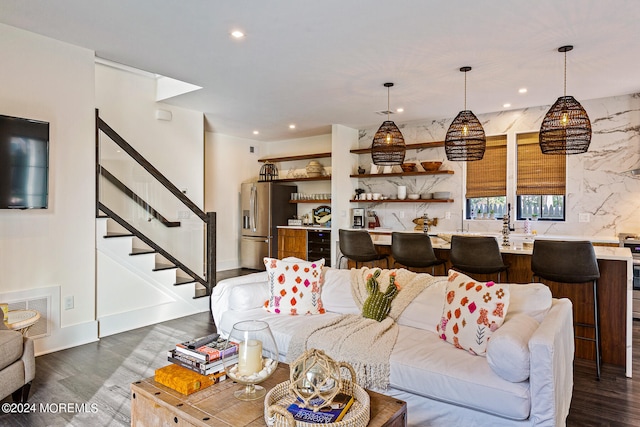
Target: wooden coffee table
x=153, y=404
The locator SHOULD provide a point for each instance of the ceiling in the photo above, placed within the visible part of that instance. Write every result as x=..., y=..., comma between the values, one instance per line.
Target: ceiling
x=317, y=63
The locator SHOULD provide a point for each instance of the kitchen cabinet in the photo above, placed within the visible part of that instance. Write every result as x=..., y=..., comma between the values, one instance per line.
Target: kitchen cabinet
x=307, y=244
x=292, y=242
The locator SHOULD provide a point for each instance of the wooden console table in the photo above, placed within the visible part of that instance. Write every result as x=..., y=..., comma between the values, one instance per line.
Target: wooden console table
x=153, y=404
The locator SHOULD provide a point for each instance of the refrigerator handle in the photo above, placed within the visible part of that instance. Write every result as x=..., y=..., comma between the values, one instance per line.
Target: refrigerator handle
x=253, y=208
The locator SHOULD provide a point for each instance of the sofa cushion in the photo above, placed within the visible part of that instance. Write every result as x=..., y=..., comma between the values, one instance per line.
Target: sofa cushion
x=472, y=312
x=11, y=345
x=294, y=286
x=246, y=296
x=508, y=350
x=423, y=364
x=336, y=292
x=533, y=299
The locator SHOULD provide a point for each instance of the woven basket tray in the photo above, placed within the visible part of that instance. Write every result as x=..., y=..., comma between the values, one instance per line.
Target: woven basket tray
x=279, y=398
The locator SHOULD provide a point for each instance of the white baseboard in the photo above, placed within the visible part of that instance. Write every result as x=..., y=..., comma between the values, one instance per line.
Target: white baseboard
x=126, y=321
x=70, y=336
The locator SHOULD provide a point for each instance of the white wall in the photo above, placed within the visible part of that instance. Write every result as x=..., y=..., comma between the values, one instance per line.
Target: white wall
x=52, y=81
x=228, y=163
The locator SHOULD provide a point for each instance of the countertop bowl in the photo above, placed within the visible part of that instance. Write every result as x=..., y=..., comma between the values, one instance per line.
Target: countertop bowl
x=408, y=167
x=431, y=166
x=413, y=196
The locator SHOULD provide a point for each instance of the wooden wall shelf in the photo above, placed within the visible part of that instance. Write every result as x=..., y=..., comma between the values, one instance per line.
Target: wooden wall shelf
x=382, y=175
x=404, y=201
x=417, y=146
x=291, y=158
x=311, y=201
x=319, y=178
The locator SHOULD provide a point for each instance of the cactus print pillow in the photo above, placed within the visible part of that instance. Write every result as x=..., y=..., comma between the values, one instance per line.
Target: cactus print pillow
x=294, y=286
x=472, y=312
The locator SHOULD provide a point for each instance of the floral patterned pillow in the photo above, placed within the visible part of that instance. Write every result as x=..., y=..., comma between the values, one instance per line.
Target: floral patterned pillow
x=294, y=286
x=472, y=312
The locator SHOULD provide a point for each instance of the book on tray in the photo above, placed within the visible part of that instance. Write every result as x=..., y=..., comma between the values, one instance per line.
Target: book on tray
x=197, y=365
x=330, y=413
x=208, y=350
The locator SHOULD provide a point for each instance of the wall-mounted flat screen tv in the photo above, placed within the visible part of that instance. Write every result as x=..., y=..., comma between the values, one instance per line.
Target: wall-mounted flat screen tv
x=24, y=163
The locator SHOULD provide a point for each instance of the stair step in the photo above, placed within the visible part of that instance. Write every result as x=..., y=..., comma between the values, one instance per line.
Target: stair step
x=160, y=267
x=111, y=234
x=200, y=293
x=141, y=251
x=183, y=280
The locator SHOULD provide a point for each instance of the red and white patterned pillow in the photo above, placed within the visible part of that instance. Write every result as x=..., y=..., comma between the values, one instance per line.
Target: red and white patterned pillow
x=472, y=312
x=294, y=286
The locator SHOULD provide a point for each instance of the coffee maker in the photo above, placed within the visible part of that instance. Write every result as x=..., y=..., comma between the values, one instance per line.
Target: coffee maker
x=357, y=214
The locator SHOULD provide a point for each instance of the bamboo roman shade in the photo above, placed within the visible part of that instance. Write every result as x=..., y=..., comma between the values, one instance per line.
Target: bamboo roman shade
x=488, y=177
x=539, y=175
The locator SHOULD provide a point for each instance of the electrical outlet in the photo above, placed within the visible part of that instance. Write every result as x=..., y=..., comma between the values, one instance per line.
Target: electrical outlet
x=68, y=302
x=584, y=217
x=447, y=215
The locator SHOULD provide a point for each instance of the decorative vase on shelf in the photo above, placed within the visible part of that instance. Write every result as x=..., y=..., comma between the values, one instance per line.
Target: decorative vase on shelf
x=314, y=169
x=255, y=358
x=402, y=192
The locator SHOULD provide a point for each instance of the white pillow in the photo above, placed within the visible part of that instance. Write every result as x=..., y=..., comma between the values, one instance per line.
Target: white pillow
x=508, y=349
x=425, y=311
x=247, y=296
x=295, y=287
x=336, y=292
x=533, y=299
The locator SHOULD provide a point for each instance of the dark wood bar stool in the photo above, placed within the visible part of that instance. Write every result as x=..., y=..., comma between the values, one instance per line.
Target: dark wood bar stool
x=414, y=250
x=476, y=254
x=570, y=262
x=358, y=246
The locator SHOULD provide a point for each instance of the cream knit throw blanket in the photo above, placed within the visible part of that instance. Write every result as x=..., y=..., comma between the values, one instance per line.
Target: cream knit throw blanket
x=363, y=343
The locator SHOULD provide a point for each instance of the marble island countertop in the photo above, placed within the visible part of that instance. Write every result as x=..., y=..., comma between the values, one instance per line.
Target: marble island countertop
x=382, y=237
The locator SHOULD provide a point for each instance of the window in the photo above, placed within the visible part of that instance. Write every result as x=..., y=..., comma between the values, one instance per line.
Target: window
x=541, y=183
x=487, y=181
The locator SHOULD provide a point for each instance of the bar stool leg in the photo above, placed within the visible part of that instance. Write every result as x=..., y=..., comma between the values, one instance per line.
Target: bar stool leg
x=597, y=327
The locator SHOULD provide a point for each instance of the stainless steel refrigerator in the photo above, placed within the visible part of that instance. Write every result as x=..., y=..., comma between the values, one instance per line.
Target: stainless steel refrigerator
x=264, y=206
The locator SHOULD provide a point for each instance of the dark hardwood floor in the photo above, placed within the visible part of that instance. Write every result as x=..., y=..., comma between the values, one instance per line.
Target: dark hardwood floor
x=98, y=376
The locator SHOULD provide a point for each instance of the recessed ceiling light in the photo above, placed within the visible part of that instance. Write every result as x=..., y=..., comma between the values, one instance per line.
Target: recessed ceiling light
x=237, y=34
x=507, y=105
x=400, y=110
x=255, y=132
x=292, y=126
x=522, y=90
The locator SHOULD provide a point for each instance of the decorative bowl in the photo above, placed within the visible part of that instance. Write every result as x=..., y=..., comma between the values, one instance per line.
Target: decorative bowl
x=408, y=167
x=431, y=166
x=442, y=195
x=427, y=196
x=413, y=196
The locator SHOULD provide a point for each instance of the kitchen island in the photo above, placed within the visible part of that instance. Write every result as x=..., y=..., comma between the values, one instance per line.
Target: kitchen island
x=615, y=291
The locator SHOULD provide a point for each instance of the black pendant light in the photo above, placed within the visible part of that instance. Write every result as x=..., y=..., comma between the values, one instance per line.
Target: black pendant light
x=465, y=140
x=566, y=128
x=388, y=146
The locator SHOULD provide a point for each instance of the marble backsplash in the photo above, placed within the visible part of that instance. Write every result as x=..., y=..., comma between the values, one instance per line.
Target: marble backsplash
x=599, y=185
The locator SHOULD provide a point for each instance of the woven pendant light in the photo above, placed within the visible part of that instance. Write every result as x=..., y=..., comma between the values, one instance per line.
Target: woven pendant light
x=566, y=128
x=465, y=140
x=388, y=146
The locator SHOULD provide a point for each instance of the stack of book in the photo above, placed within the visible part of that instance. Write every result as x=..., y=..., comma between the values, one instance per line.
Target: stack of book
x=204, y=355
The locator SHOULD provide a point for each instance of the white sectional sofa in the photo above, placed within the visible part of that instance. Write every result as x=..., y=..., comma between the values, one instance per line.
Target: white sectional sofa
x=526, y=378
